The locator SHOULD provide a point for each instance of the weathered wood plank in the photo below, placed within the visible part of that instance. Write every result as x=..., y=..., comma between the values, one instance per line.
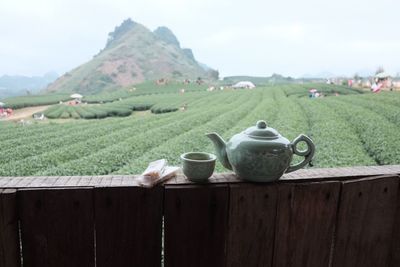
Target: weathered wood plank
x=62, y=181
x=25, y=182
x=50, y=181
x=13, y=182
x=342, y=172
x=195, y=225
x=129, y=181
x=365, y=221
x=116, y=181
x=306, y=216
x=57, y=227
x=74, y=181
x=4, y=181
x=9, y=236
x=106, y=181
x=128, y=226
x=38, y=181
x=96, y=180
x=394, y=255
x=300, y=176
x=252, y=214
x=85, y=181
x=306, y=175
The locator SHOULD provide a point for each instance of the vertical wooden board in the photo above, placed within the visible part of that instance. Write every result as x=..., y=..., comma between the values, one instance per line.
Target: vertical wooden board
x=306, y=216
x=394, y=260
x=128, y=226
x=195, y=221
x=252, y=214
x=9, y=236
x=365, y=221
x=33, y=229
x=57, y=227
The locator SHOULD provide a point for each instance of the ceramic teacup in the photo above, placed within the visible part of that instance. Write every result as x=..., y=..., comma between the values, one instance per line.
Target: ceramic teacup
x=198, y=166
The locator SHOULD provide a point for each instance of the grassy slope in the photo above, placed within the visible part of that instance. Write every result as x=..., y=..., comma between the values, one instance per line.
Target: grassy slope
x=346, y=132
x=147, y=56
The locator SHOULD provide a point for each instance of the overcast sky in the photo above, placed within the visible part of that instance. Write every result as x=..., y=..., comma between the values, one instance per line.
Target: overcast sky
x=253, y=37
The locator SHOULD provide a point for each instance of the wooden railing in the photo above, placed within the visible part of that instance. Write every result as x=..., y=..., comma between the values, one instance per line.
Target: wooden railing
x=315, y=217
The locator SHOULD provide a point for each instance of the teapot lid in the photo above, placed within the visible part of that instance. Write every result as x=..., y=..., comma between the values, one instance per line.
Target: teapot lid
x=262, y=131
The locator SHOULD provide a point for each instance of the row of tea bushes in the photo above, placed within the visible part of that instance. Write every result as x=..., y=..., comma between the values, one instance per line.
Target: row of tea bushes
x=158, y=110
x=18, y=136
x=336, y=141
x=382, y=105
x=78, y=144
x=146, y=88
x=121, y=151
x=79, y=135
x=90, y=113
x=346, y=130
x=34, y=100
x=87, y=112
x=237, y=117
x=108, y=97
x=66, y=142
x=379, y=136
x=296, y=90
x=58, y=112
x=173, y=103
x=290, y=119
x=157, y=104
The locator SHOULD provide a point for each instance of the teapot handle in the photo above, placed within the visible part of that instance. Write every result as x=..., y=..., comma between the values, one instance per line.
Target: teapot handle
x=307, y=154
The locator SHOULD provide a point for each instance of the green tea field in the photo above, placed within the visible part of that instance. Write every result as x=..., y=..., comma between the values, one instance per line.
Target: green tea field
x=350, y=129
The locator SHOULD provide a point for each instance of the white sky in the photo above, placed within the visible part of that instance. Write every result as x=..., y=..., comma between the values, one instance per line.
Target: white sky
x=252, y=37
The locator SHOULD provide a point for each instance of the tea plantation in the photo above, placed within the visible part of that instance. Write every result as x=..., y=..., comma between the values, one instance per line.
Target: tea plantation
x=350, y=129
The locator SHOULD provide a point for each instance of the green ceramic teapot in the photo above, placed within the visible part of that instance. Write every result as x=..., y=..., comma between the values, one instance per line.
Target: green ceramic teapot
x=260, y=153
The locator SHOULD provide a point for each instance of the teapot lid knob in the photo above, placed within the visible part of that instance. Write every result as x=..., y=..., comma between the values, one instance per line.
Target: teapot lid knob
x=262, y=131
x=261, y=124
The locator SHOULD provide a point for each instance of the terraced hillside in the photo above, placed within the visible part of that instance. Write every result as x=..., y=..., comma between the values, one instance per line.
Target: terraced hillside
x=349, y=129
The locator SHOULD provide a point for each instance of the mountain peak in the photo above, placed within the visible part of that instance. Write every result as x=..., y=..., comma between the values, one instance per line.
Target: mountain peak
x=133, y=54
x=166, y=35
x=120, y=31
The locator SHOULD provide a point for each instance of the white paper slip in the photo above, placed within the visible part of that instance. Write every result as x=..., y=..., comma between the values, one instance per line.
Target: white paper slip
x=149, y=181
x=155, y=168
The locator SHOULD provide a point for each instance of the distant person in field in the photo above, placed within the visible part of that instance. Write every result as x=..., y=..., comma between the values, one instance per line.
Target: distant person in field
x=376, y=88
x=184, y=107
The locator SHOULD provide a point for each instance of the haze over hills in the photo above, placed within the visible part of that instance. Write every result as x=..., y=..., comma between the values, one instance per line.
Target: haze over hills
x=327, y=74
x=258, y=80
x=133, y=54
x=13, y=85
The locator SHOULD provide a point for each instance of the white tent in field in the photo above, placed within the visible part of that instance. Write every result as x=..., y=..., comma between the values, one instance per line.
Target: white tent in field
x=382, y=75
x=76, y=96
x=244, y=84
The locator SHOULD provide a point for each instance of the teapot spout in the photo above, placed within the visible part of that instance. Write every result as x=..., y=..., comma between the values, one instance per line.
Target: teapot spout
x=220, y=149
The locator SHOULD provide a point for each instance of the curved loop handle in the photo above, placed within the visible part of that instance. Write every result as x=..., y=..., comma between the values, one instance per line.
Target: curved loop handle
x=307, y=154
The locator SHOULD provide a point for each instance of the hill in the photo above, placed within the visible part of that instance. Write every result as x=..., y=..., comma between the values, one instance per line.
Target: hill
x=273, y=79
x=15, y=85
x=133, y=54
